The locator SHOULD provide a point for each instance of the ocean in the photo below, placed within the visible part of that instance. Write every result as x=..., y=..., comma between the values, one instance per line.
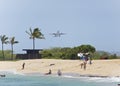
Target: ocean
x=54, y=80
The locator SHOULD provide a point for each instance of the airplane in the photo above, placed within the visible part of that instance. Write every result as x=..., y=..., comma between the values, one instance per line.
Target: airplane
x=57, y=34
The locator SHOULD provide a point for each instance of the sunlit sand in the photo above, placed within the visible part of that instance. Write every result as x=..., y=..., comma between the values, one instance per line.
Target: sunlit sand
x=97, y=68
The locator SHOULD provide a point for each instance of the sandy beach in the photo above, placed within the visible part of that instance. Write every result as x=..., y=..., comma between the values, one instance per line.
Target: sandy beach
x=97, y=68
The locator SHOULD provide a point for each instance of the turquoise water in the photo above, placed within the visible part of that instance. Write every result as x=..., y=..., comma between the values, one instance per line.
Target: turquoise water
x=40, y=80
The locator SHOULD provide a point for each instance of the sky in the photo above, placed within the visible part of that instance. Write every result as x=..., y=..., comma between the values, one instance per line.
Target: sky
x=94, y=22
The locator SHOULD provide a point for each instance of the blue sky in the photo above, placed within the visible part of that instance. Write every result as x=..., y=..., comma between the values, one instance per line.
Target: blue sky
x=94, y=22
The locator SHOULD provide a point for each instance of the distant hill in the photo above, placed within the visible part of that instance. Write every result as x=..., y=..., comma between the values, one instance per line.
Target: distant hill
x=116, y=52
x=112, y=52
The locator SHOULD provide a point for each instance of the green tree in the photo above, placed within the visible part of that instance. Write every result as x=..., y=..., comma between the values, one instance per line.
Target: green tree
x=4, y=40
x=12, y=42
x=67, y=52
x=86, y=48
x=36, y=33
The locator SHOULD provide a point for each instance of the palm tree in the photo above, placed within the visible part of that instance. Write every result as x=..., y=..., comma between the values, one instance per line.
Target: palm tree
x=36, y=33
x=4, y=41
x=12, y=42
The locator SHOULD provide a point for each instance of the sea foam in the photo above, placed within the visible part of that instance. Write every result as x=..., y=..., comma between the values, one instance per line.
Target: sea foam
x=93, y=79
x=10, y=71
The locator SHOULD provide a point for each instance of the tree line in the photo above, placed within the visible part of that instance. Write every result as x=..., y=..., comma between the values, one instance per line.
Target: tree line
x=7, y=40
x=35, y=33
x=71, y=53
x=55, y=53
x=67, y=52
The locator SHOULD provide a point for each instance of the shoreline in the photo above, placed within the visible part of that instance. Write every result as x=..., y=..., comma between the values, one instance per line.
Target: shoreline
x=72, y=75
x=99, y=68
x=64, y=75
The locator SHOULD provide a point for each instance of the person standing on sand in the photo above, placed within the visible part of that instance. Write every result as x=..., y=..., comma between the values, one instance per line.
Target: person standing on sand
x=90, y=60
x=84, y=64
x=84, y=57
x=23, y=66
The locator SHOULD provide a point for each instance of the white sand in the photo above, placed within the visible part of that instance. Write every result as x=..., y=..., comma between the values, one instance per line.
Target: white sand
x=98, y=67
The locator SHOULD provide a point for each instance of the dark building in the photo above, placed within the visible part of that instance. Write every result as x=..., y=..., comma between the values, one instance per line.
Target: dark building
x=30, y=54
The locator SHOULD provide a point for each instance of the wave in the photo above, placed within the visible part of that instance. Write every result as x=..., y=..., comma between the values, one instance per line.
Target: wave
x=94, y=79
x=10, y=71
x=108, y=79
